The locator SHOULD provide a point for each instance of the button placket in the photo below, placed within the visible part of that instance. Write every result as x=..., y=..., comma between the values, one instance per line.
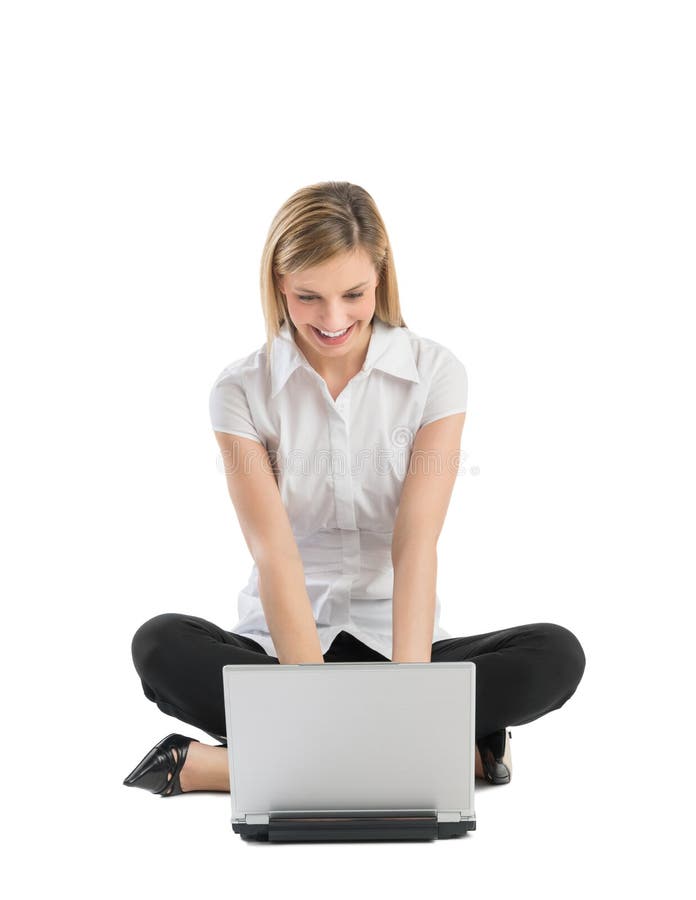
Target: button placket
x=342, y=483
x=343, y=404
x=342, y=480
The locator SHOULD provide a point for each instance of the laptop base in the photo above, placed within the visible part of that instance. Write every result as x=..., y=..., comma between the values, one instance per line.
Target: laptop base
x=353, y=828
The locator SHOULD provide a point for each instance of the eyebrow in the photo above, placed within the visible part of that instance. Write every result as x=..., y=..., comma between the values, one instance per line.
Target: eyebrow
x=310, y=291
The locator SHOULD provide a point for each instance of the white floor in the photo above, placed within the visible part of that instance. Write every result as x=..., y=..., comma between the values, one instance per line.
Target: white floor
x=568, y=825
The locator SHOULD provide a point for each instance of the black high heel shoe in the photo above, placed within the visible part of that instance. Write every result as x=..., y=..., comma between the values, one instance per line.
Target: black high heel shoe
x=496, y=758
x=152, y=770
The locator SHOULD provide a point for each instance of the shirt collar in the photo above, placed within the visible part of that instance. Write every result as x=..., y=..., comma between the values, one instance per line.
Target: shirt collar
x=389, y=350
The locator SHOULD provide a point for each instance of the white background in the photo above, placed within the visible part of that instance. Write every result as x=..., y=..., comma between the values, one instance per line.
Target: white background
x=534, y=164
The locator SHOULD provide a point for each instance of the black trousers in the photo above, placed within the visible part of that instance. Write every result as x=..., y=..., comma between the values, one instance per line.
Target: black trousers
x=522, y=673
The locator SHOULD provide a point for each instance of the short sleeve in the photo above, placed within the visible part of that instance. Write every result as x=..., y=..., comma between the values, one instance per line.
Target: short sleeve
x=448, y=389
x=229, y=406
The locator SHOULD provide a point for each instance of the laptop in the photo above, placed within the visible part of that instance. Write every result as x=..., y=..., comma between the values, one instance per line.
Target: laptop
x=351, y=750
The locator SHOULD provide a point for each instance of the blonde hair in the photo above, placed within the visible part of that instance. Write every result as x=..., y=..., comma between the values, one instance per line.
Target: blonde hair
x=315, y=224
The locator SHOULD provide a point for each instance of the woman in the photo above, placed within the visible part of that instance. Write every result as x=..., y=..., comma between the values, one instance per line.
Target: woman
x=340, y=438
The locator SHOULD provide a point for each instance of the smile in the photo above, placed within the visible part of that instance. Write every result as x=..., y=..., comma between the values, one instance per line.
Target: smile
x=333, y=337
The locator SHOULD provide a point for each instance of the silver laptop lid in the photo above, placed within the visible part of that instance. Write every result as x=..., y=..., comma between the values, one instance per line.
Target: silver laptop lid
x=351, y=737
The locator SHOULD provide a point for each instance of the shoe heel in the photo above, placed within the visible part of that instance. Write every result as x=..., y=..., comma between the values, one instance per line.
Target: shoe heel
x=496, y=759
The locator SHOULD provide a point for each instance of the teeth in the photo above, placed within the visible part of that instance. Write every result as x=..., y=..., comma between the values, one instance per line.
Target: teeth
x=332, y=333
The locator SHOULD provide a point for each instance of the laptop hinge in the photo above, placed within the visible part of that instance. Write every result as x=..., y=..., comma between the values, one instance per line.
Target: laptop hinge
x=450, y=815
x=326, y=827
x=253, y=819
x=443, y=815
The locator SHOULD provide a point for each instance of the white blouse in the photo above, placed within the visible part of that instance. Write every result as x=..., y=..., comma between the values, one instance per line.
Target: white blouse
x=340, y=466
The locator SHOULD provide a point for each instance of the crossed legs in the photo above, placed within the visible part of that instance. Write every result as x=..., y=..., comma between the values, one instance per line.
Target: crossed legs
x=522, y=673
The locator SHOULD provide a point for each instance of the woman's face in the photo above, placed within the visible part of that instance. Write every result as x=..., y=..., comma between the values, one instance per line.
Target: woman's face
x=338, y=294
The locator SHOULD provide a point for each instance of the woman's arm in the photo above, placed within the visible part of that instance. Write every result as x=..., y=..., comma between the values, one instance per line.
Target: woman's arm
x=264, y=522
x=425, y=497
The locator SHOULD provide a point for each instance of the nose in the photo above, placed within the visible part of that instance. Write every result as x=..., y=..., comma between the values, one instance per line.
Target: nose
x=334, y=318
x=332, y=326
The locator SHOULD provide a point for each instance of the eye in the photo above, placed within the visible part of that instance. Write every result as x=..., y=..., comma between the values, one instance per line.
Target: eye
x=309, y=297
